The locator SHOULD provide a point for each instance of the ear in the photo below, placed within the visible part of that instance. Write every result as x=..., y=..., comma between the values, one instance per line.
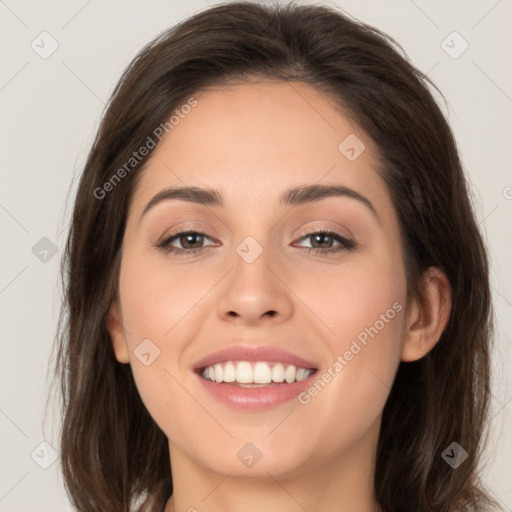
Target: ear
x=117, y=334
x=427, y=319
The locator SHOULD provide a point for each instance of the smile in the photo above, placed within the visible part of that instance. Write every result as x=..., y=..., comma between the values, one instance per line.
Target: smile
x=254, y=378
x=255, y=373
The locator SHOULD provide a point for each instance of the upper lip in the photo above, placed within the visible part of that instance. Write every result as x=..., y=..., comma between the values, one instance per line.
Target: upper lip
x=253, y=353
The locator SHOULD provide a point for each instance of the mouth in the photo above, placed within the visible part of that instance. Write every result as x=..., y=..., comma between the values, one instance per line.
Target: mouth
x=250, y=374
x=254, y=378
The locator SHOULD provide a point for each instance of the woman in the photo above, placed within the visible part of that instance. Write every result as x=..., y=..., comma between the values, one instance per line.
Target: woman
x=323, y=342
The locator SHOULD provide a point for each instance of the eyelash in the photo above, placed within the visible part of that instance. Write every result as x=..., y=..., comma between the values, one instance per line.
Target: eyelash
x=346, y=244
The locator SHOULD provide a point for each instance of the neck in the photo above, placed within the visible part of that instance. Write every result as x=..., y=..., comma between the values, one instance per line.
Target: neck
x=344, y=484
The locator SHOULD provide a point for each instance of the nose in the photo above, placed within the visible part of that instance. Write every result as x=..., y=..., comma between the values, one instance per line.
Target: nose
x=256, y=292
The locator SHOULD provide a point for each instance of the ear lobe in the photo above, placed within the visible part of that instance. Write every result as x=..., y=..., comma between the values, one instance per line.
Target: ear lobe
x=117, y=335
x=428, y=319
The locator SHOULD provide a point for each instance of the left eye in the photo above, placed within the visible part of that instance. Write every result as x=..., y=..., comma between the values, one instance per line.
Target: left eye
x=319, y=238
x=196, y=238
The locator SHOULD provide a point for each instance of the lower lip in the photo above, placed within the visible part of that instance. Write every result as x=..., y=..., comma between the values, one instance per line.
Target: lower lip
x=255, y=398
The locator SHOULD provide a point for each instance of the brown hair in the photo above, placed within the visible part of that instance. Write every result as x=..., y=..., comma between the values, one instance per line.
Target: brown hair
x=112, y=452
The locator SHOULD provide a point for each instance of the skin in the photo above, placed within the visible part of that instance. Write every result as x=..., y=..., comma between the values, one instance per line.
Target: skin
x=251, y=142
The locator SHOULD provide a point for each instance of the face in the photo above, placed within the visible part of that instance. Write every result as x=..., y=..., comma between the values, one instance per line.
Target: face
x=312, y=279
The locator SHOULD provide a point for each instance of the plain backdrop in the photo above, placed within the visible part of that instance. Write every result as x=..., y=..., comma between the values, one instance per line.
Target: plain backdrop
x=51, y=106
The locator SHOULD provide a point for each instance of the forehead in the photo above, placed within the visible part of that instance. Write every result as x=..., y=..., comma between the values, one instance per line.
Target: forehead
x=253, y=140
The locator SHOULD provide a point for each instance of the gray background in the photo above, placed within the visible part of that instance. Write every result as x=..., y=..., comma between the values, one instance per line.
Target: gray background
x=50, y=109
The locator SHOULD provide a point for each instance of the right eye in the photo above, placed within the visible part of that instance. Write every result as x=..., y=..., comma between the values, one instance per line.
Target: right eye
x=184, y=238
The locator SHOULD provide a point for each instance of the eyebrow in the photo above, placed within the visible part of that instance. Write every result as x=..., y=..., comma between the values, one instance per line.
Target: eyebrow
x=303, y=194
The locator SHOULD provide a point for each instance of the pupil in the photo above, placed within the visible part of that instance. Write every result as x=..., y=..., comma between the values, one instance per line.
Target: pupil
x=187, y=237
x=322, y=236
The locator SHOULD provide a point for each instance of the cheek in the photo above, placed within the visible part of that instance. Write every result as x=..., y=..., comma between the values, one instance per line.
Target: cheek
x=369, y=324
x=357, y=296
x=162, y=303
x=158, y=300
x=365, y=313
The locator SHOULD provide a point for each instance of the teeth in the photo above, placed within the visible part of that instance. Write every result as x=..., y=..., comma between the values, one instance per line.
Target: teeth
x=290, y=373
x=262, y=373
x=245, y=372
x=229, y=372
x=302, y=374
x=278, y=373
x=219, y=373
